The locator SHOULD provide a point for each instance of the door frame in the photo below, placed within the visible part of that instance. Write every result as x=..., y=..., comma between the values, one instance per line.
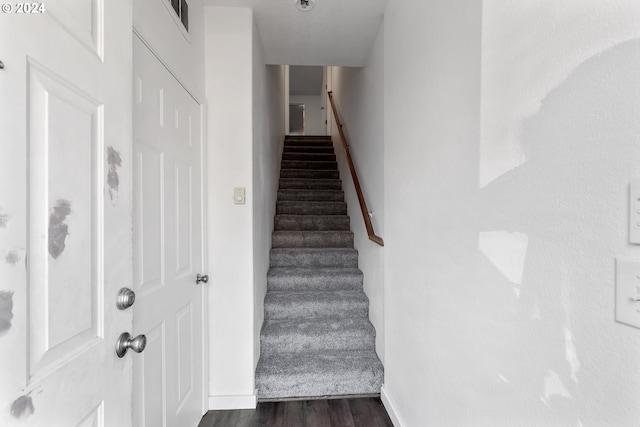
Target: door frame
x=286, y=100
x=304, y=117
x=203, y=221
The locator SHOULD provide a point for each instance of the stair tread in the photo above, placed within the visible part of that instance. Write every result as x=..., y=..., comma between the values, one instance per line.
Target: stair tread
x=309, y=156
x=308, y=164
x=322, y=297
x=308, y=304
x=307, y=190
x=309, y=173
x=309, y=216
x=312, y=222
x=316, y=327
x=307, y=149
x=308, y=233
x=307, y=195
x=325, y=373
x=314, y=232
x=312, y=204
x=315, y=250
x=297, y=207
x=309, y=184
x=313, y=257
x=327, y=180
x=298, y=360
x=311, y=239
x=307, y=272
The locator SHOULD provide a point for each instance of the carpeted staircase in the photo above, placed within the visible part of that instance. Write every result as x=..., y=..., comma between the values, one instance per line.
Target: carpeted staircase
x=316, y=339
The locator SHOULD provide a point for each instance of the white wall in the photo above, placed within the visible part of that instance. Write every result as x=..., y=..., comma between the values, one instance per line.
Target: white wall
x=314, y=115
x=506, y=184
x=154, y=20
x=268, y=136
x=359, y=97
x=229, y=87
x=246, y=130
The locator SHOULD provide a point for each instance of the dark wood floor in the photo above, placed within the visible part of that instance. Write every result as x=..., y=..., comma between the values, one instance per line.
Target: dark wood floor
x=356, y=412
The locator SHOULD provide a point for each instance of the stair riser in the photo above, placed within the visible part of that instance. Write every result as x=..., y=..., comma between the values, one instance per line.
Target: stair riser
x=320, y=259
x=310, y=195
x=307, y=149
x=307, y=137
x=309, y=157
x=323, y=374
x=299, y=143
x=318, y=384
x=296, y=239
x=311, y=208
x=309, y=174
x=310, y=184
x=336, y=310
x=294, y=164
x=296, y=281
x=329, y=341
x=311, y=223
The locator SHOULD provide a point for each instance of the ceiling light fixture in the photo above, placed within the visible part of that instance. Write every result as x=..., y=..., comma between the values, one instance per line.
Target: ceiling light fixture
x=305, y=5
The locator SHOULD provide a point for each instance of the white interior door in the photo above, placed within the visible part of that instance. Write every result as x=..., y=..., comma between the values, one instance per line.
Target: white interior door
x=168, y=377
x=65, y=212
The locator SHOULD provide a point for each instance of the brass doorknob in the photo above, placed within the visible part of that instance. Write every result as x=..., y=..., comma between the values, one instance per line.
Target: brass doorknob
x=125, y=342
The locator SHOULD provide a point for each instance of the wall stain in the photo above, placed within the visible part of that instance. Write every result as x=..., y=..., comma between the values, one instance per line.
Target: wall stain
x=12, y=257
x=4, y=219
x=6, y=311
x=58, y=230
x=113, y=180
x=22, y=407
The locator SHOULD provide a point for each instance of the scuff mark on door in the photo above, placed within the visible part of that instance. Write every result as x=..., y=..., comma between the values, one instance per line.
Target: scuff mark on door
x=4, y=219
x=58, y=230
x=113, y=179
x=6, y=311
x=12, y=257
x=22, y=407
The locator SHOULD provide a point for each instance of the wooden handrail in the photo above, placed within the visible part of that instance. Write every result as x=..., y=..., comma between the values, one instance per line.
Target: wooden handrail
x=354, y=176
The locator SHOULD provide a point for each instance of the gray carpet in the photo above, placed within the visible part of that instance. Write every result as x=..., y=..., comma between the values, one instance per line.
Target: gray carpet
x=316, y=339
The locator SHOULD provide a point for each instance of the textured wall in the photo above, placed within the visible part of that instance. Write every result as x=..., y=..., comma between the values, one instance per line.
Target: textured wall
x=183, y=55
x=359, y=96
x=246, y=130
x=268, y=136
x=229, y=82
x=506, y=178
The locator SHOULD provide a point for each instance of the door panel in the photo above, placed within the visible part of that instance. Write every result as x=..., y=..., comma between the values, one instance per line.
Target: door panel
x=168, y=244
x=65, y=221
x=149, y=204
x=149, y=402
x=65, y=191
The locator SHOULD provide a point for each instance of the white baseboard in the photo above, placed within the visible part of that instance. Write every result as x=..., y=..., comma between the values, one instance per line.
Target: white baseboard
x=390, y=407
x=248, y=401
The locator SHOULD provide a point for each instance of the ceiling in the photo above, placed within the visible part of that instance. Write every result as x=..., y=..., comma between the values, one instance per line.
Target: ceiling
x=334, y=32
x=305, y=80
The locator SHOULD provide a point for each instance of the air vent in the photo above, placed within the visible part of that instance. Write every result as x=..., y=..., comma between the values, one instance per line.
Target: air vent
x=181, y=8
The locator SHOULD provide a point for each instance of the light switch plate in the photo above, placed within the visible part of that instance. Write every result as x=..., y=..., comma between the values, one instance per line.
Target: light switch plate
x=628, y=291
x=634, y=211
x=239, y=195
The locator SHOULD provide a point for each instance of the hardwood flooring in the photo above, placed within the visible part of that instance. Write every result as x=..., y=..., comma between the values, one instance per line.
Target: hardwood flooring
x=355, y=412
